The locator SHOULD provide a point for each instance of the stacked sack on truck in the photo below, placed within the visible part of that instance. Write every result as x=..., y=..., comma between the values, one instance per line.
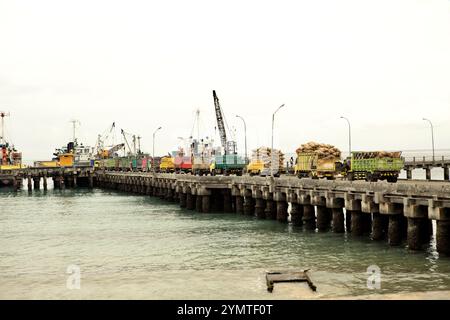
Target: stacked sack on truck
x=377, y=155
x=264, y=155
x=323, y=151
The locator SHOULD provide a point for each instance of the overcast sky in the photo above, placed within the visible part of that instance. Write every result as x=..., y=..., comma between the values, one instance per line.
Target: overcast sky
x=143, y=64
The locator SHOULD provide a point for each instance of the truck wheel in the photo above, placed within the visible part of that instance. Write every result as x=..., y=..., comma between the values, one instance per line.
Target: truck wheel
x=350, y=176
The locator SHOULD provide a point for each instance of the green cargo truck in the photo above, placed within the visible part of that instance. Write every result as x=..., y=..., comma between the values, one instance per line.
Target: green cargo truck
x=228, y=164
x=370, y=166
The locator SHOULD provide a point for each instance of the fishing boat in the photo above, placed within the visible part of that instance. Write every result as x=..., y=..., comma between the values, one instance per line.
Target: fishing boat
x=10, y=157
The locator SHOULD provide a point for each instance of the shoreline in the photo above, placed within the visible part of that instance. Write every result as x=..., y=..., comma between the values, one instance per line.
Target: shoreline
x=424, y=295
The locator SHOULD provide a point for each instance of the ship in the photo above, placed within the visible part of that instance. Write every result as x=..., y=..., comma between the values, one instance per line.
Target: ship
x=10, y=157
x=74, y=154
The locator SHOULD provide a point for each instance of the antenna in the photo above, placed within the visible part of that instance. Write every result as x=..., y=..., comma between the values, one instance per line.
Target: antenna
x=74, y=123
x=3, y=115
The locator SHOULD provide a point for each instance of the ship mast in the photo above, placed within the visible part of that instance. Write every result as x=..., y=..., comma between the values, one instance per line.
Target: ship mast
x=3, y=115
x=74, y=123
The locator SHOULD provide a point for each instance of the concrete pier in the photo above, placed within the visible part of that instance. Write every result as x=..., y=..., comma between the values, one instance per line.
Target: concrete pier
x=446, y=174
x=400, y=211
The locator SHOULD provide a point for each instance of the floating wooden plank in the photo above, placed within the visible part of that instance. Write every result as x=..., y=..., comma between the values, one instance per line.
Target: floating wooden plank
x=288, y=276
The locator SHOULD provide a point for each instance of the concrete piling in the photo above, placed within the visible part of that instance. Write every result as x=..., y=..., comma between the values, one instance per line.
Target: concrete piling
x=443, y=237
x=296, y=214
x=357, y=228
x=190, y=201
x=182, y=197
x=44, y=180
x=282, y=211
x=227, y=201
x=428, y=173
x=379, y=226
x=240, y=204
x=416, y=233
x=446, y=174
x=394, y=230
x=249, y=207
x=323, y=218
x=348, y=221
x=260, y=207
x=206, y=205
x=199, y=203
x=271, y=210
x=338, y=220
x=409, y=174
x=30, y=186
x=309, y=217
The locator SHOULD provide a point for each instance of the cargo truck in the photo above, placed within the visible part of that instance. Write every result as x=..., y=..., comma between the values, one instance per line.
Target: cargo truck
x=372, y=166
x=309, y=165
x=167, y=165
x=228, y=164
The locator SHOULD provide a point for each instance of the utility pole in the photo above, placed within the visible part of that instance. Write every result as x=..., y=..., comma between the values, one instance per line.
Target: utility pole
x=349, y=136
x=245, y=134
x=153, y=157
x=139, y=144
x=134, y=145
x=273, y=124
x=432, y=134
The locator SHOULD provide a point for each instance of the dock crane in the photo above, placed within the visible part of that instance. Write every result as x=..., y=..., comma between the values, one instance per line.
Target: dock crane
x=124, y=134
x=229, y=146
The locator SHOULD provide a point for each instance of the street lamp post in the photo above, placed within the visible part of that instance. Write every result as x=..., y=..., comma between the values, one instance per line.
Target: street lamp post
x=245, y=133
x=432, y=134
x=153, y=158
x=273, y=124
x=349, y=136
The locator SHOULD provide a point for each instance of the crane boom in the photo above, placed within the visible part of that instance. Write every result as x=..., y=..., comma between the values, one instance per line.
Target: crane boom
x=126, y=141
x=220, y=122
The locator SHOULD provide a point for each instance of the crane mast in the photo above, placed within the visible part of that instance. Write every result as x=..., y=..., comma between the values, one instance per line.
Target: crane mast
x=125, y=138
x=220, y=122
x=228, y=146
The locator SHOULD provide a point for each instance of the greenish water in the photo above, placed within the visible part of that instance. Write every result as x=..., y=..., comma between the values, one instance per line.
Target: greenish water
x=136, y=247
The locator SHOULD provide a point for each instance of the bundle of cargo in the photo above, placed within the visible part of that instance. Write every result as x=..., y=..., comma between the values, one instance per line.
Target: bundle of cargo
x=323, y=151
x=376, y=155
x=265, y=155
